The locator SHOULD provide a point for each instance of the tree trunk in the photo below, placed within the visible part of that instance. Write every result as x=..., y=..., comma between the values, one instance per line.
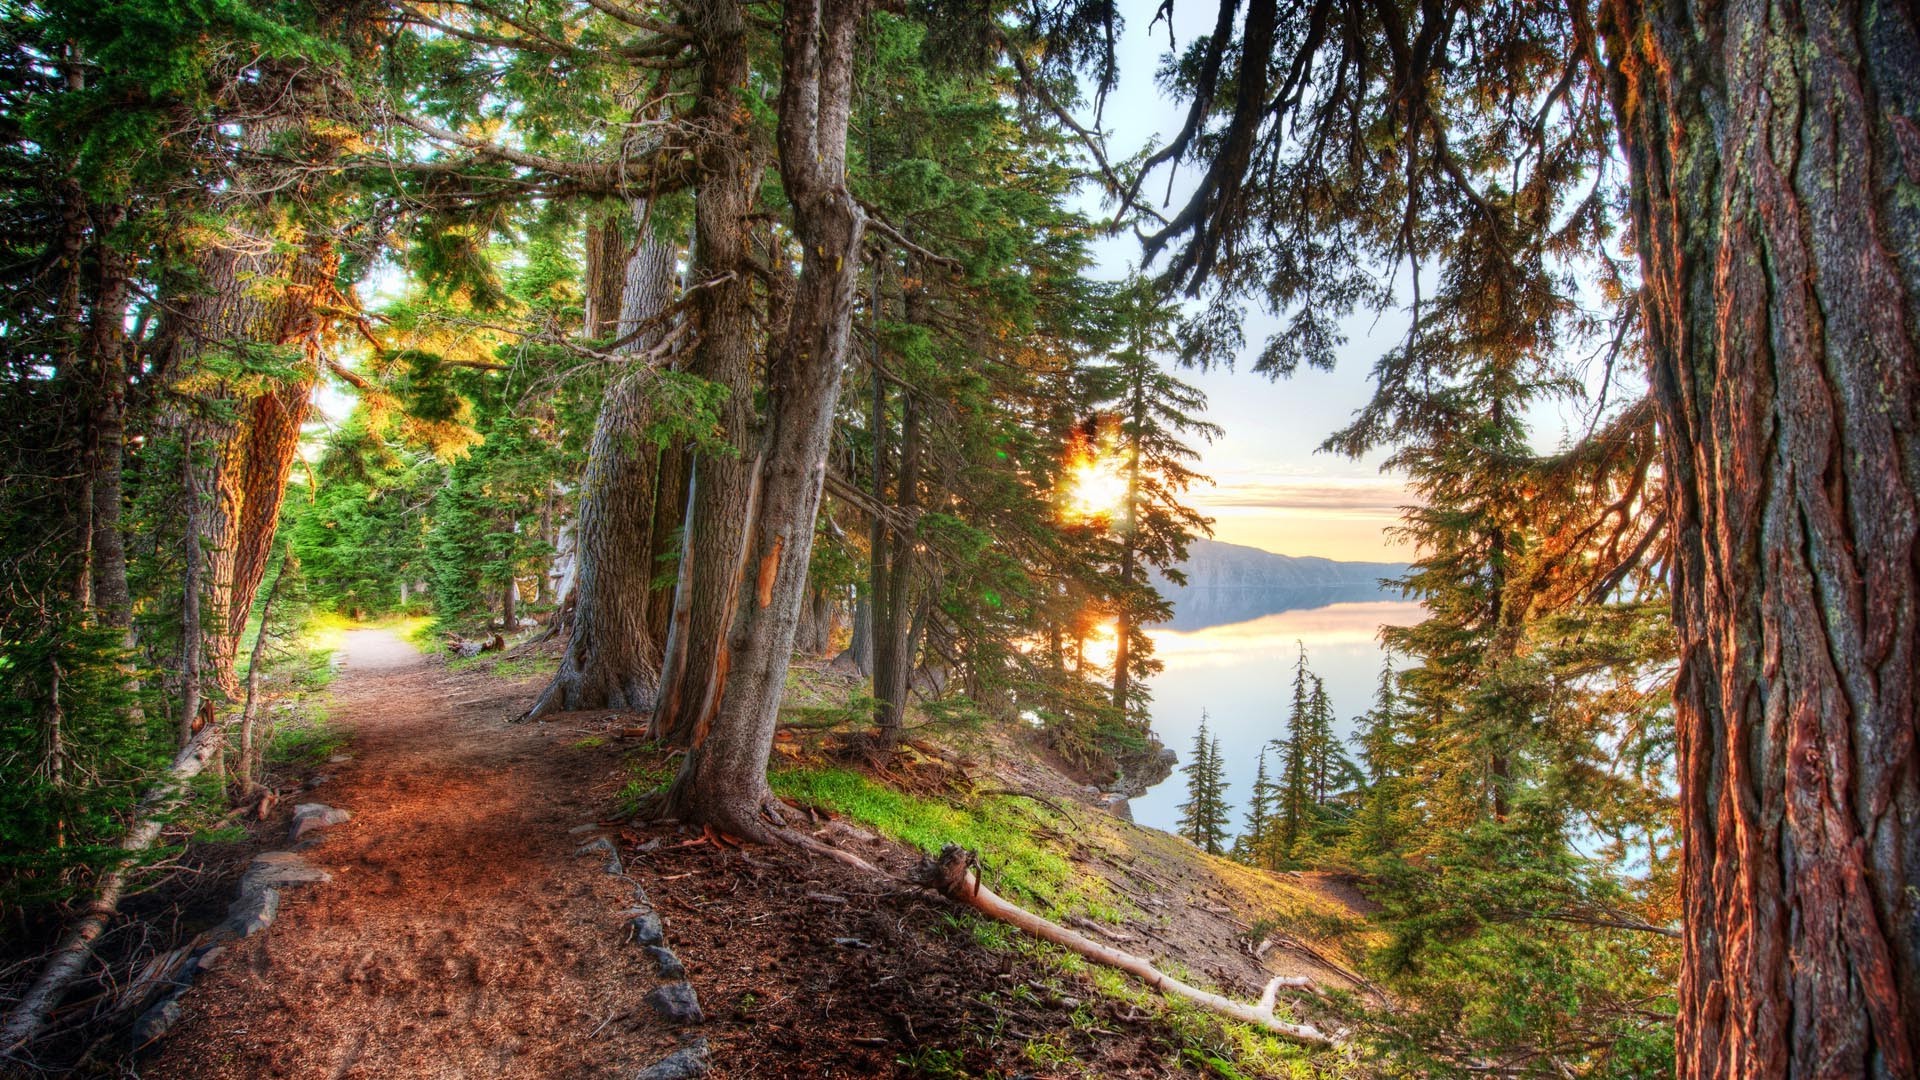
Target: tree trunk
x=107, y=347
x=723, y=778
x=610, y=658
x=860, y=648
x=249, y=711
x=698, y=651
x=1775, y=166
x=253, y=440
x=543, y=585
x=663, y=553
x=606, y=268
x=892, y=658
x=192, y=586
x=867, y=647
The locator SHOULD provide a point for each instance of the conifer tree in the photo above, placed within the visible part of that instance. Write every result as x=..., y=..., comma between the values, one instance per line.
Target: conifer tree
x=1203, y=817
x=1296, y=785
x=1254, y=845
x=1157, y=414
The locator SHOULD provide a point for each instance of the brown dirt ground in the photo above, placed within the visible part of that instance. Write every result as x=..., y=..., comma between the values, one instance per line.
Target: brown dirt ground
x=462, y=936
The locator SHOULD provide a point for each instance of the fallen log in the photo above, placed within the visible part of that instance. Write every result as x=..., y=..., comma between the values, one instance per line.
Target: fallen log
x=69, y=959
x=953, y=875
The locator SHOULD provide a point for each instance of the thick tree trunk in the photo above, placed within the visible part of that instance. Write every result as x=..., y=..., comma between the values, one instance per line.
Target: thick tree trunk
x=697, y=658
x=723, y=778
x=610, y=660
x=252, y=439
x=860, y=649
x=1775, y=158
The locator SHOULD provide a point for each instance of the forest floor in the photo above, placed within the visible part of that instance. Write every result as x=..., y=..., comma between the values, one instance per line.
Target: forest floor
x=464, y=934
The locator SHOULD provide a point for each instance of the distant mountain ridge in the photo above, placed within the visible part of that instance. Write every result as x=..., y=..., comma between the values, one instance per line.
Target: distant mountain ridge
x=1212, y=564
x=1229, y=583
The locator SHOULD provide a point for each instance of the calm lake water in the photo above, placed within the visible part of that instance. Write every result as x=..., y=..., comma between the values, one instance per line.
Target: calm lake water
x=1231, y=653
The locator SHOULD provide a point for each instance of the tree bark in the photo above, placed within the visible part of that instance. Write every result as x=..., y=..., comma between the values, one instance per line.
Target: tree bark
x=253, y=439
x=892, y=657
x=698, y=648
x=723, y=778
x=107, y=348
x=610, y=662
x=1774, y=156
x=606, y=268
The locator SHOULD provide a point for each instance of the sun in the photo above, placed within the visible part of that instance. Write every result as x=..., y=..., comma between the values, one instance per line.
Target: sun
x=1093, y=488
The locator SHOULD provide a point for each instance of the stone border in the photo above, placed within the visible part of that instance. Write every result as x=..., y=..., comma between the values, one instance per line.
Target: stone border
x=673, y=998
x=252, y=911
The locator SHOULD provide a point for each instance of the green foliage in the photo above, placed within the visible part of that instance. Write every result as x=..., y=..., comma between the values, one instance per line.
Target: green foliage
x=360, y=533
x=79, y=736
x=1016, y=861
x=1205, y=815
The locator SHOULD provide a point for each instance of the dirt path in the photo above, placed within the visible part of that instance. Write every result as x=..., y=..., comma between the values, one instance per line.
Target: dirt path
x=461, y=935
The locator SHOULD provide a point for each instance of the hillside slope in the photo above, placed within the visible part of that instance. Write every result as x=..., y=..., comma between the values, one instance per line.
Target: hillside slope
x=463, y=933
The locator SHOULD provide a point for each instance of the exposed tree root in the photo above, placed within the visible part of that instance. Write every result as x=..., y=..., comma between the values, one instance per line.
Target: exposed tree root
x=69, y=959
x=954, y=876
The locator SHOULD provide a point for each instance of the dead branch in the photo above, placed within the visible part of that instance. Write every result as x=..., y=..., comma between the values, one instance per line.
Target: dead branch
x=953, y=875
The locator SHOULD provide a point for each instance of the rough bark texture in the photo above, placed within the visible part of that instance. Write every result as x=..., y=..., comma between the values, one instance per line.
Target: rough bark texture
x=611, y=661
x=663, y=555
x=252, y=293
x=605, y=278
x=723, y=778
x=1775, y=161
x=697, y=655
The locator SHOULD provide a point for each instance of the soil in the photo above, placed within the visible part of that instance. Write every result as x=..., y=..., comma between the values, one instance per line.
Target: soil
x=464, y=935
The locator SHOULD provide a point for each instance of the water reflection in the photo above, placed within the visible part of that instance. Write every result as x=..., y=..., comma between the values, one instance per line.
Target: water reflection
x=1241, y=674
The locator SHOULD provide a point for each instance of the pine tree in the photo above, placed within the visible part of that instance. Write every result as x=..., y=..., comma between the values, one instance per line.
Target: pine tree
x=1377, y=733
x=1296, y=794
x=1203, y=817
x=1157, y=413
x=1254, y=846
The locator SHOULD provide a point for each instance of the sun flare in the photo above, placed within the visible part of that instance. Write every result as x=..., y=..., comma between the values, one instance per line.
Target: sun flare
x=1093, y=487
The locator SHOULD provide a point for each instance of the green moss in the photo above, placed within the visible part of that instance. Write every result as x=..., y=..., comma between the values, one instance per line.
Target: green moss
x=1016, y=860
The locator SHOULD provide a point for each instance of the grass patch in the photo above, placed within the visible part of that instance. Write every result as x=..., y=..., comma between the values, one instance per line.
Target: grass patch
x=646, y=780
x=1017, y=860
x=304, y=740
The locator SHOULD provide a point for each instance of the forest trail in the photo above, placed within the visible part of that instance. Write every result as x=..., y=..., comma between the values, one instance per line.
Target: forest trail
x=461, y=936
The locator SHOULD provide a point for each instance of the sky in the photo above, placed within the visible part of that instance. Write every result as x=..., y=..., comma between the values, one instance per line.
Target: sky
x=1270, y=489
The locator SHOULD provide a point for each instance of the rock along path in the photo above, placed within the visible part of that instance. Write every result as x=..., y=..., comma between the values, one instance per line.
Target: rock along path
x=461, y=935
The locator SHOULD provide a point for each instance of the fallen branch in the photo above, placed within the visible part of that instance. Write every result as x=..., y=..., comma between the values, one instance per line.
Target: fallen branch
x=69, y=959
x=953, y=875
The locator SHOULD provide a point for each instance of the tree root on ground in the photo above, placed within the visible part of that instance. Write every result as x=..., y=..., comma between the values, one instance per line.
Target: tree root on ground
x=954, y=876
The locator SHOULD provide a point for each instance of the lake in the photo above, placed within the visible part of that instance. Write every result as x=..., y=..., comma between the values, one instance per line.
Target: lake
x=1230, y=652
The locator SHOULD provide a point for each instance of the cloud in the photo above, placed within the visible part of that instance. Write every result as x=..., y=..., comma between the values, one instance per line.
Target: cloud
x=1348, y=496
